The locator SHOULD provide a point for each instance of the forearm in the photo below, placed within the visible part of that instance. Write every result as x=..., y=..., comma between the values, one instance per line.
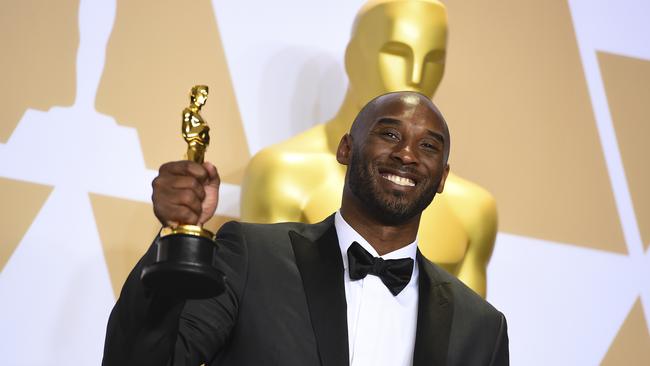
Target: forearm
x=143, y=326
x=146, y=328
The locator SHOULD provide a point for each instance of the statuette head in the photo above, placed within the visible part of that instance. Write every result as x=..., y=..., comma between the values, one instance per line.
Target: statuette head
x=199, y=95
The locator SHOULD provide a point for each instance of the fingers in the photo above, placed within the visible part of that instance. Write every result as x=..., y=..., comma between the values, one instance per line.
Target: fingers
x=171, y=214
x=185, y=168
x=179, y=192
x=175, y=204
x=183, y=183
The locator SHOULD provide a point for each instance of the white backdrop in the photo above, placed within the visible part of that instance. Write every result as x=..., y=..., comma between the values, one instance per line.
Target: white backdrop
x=564, y=304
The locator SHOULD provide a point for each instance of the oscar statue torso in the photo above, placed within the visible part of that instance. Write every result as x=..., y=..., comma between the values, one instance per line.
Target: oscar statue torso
x=195, y=130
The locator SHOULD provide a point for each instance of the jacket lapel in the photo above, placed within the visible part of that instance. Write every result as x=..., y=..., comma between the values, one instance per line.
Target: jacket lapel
x=435, y=312
x=318, y=258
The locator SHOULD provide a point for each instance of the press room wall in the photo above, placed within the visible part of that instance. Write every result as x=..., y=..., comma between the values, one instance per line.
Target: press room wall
x=547, y=102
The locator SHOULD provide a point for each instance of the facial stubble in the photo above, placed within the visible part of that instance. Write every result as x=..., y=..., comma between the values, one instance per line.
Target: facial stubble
x=394, y=207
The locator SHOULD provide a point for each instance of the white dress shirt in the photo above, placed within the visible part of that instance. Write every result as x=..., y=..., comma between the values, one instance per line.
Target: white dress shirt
x=381, y=327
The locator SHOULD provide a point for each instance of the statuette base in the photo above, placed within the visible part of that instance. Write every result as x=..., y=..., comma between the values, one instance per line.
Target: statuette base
x=184, y=265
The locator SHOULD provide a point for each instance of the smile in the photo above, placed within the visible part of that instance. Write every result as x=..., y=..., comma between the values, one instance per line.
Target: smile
x=400, y=181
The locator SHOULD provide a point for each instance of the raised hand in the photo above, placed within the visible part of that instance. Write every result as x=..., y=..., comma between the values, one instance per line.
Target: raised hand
x=185, y=192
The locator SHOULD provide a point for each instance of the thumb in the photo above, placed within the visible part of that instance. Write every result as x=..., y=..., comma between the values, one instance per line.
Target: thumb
x=212, y=172
x=211, y=187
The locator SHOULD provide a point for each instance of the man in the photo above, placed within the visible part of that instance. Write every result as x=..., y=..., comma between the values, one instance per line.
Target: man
x=317, y=294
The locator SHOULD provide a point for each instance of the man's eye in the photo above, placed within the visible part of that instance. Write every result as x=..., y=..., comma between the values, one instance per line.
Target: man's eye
x=390, y=135
x=429, y=146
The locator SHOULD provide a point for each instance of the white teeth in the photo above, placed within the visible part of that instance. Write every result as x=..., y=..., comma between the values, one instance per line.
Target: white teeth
x=399, y=180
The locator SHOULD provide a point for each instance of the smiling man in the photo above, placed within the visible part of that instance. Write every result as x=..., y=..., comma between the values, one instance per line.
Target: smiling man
x=351, y=290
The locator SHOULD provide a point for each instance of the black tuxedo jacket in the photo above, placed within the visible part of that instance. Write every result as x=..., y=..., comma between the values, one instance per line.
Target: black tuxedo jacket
x=284, y=304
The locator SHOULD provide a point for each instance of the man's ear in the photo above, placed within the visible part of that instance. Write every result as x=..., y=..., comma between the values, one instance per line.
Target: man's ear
x=344, y=149
x=443, y=179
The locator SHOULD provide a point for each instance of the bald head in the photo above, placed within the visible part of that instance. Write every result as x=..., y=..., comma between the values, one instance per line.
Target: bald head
x=407, y=104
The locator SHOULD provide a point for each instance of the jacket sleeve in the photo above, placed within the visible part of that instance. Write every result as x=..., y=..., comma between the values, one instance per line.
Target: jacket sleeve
x=147, y=328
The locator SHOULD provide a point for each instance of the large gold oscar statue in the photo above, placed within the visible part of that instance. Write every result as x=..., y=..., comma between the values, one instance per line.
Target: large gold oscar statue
x=395, y=45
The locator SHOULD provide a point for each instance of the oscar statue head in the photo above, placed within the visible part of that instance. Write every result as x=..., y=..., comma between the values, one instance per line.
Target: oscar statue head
x=396, y=45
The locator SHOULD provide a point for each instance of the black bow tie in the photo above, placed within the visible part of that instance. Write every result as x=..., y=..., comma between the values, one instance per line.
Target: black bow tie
x=394, y=273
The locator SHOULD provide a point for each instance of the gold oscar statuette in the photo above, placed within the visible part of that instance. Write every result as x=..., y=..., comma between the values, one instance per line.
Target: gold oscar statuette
x=185, y=254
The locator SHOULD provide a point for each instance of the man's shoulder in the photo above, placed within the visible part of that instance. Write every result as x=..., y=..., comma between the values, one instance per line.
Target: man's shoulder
x=467, y=302
x=260, y=229
x=277, y=230
x=479, y=332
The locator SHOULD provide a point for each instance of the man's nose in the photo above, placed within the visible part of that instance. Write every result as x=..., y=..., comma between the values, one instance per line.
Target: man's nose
x=404, y=153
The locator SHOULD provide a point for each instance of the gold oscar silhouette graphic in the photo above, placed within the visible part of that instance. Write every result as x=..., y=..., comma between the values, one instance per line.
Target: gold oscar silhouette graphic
x=185, y=254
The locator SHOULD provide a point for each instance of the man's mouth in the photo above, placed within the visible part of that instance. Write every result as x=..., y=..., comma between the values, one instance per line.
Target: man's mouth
x=400, y=181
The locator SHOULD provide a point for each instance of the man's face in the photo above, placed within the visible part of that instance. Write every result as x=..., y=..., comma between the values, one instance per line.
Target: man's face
x=398, y=160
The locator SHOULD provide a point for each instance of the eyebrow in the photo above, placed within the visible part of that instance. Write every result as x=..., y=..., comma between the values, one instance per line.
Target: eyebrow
x=395, y=122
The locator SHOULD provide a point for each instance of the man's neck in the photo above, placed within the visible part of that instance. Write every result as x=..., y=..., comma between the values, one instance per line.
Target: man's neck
x=384, y=238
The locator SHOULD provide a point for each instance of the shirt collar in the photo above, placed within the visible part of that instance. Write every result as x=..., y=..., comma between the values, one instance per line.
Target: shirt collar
x=347, y=235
